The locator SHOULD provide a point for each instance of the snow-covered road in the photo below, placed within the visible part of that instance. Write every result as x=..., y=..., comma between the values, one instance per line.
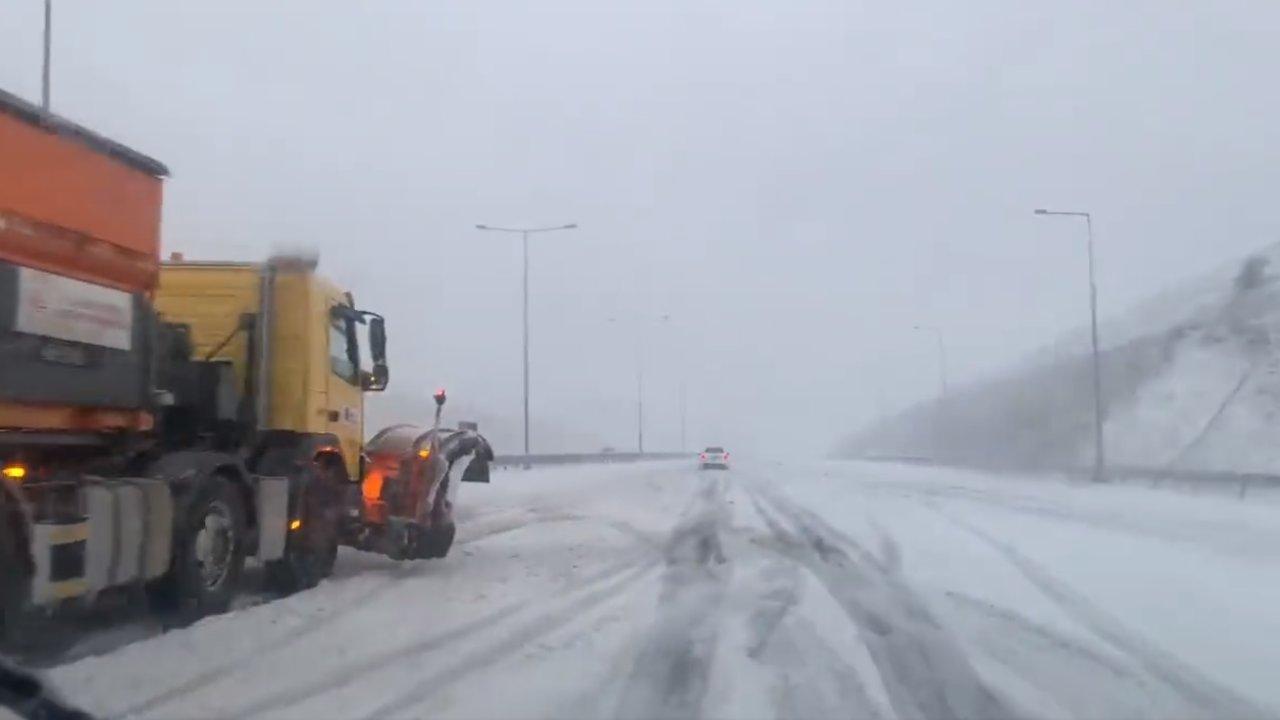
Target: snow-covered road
x=803, y=590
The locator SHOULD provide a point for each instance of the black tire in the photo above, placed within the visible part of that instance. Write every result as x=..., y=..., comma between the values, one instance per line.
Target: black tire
x=15, y=584
x=208, y=553
x=439, y=540
x=311, y=551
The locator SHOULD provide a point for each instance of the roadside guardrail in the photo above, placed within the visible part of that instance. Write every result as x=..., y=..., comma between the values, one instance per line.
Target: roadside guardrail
x=1241, y=482
x=584, y=458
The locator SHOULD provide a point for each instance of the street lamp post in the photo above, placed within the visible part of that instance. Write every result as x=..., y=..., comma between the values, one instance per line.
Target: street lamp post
x=666, y=320
x=683, y=415
x=524, y=245
x=48, y=53
x=942, y=385
x=1099, y=455
x=639, y=391
x=639, y=343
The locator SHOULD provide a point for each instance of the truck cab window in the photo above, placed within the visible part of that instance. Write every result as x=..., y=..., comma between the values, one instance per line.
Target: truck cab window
x=342, y=353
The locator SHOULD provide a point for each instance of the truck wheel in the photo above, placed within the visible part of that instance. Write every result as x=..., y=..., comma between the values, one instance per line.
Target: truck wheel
x=437, y=539
x=310, y=551
x=15, y=586
x=440, y=540
x=208, y=554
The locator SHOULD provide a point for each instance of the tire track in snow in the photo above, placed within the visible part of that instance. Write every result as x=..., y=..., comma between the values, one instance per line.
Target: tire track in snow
x=813, y=679
x=671, y=670
x=924, y=671
x=1017, y=623
x=780, y=596
x=540, y=625
x=347, y=675
x=817, y=681
x=321, y=622
x=1195, y=688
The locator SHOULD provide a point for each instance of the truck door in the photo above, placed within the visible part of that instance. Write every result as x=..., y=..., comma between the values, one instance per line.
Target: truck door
x=345, y=414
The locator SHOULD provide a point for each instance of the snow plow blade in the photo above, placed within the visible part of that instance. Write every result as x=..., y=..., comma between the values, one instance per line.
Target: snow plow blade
x=405, y=508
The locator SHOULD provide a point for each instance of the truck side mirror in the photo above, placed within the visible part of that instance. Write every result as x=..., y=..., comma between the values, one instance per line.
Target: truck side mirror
x=378, y=379
x=378, y=339
x=375, y=381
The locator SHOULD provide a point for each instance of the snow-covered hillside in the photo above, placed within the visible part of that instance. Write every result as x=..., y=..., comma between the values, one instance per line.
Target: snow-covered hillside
x=1191, y=379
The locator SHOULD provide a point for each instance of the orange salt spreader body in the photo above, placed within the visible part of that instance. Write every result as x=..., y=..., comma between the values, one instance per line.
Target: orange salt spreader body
x=75, y=203
x=79, y=235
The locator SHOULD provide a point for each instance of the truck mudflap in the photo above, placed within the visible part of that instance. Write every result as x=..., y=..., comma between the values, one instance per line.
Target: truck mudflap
x=124, y=537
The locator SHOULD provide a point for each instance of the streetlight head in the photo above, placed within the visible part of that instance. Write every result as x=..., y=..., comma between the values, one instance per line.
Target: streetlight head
x=570, y=226
x=482, y=227
x=1041, y=211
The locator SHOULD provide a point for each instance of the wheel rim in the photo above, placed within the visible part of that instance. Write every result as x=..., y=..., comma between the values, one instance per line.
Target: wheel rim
x=215, y=545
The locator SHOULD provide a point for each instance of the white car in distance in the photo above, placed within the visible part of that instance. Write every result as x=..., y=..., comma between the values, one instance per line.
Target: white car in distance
x=713, y=457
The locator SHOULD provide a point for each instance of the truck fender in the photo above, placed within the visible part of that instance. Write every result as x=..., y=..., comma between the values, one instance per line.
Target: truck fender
x=283, y=453
x=183, y=471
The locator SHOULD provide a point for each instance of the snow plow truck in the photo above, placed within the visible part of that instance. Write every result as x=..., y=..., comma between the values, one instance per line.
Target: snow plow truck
x=163, y=422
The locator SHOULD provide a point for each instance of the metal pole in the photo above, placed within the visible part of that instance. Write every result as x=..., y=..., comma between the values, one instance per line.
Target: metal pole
x=48, y=52
x=1099, y=452
x=525, y=243
x=1099, y=466
x=942, y=363
x=640, y=407
x=639, y=331
x=942, y=393
x=682, y=417
x=940, y=404
x=524, y=246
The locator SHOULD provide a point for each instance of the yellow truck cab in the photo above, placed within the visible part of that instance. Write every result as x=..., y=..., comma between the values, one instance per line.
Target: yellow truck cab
x=310, y=380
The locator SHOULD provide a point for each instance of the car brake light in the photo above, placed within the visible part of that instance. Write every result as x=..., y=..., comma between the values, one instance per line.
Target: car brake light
x=702, y=456
x=726, y=456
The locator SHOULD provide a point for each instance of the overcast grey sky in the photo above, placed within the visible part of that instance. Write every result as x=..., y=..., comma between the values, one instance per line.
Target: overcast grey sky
x=796, y=182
